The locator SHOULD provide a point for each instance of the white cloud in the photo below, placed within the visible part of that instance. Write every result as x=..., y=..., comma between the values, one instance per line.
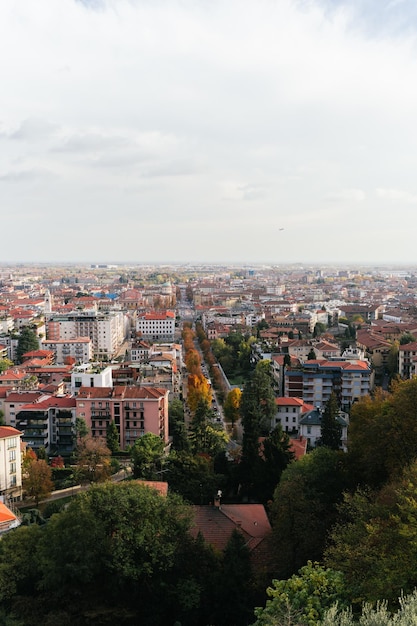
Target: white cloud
x=251, y=110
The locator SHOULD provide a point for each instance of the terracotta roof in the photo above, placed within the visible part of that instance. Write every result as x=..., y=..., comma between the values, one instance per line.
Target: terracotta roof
x=299, y=447
x=160, y=486
x=8, y=431
x=217, y=523
x=5, y=514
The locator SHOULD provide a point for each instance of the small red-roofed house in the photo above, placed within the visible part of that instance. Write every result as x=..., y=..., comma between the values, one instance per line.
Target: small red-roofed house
x=289, y=413
x=217, y=522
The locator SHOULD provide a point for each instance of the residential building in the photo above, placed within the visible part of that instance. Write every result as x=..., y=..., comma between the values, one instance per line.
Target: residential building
x=156, y=326
x=10, y=463
x=407, y=356
x=310, y=427
x=134, y=410
x=289, y=413
x=316, y=379
x=80, y=349
x=91, y=375
x=106, y=330
x=48, y=423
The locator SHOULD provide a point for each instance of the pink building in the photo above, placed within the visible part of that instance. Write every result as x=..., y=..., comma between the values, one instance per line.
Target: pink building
x=134, y=410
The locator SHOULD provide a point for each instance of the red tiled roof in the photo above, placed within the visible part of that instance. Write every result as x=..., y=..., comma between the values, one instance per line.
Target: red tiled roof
x=5, y=514
x=8, y=431
x=299, y=447
x=217, y=524
x=160, y=486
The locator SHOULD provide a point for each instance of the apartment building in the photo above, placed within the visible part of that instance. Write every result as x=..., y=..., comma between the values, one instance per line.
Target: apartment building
x=156, y=326
x=80, y=349
x=48, y=423
x=10, y=463
x=107, y=330
x=315, y=381
x=134, y=410
x=407, y=358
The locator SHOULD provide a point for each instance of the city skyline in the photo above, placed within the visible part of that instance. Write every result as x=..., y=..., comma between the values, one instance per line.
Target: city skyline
x=220, y=133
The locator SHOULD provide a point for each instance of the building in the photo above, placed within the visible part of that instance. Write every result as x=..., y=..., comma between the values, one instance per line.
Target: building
x=80, y=349
x=10, y=463
x=316, y=379
x=156, y=326
x=134, y=410
x=407, y=357
x=91, y=376
x=310, y=427
x=106, y=330
x=48, y=423
x=289, y=413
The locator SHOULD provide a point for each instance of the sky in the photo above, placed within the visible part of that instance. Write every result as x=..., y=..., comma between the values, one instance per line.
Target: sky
x=223, y=131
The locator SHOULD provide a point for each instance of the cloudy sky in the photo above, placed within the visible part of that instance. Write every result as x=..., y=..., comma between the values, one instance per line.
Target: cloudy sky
x=208, y=130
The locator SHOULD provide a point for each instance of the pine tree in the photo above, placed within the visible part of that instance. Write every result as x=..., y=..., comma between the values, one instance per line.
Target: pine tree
x=331, y=430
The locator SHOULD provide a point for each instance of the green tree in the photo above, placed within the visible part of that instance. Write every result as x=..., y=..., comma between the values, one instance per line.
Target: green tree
x=374, y=542
x=81, y=430
x=5, y=364
x=257, y=408
x=27, y=342
x=305, y=507
x=331, y=430
x=302, y=599
x=204, y=436
x=148, y=454
x=275, y=457
x=311, y=356
x=177, y=428
x=378, y=615
x=112, y=437
x=38, y=481
x=235, y=596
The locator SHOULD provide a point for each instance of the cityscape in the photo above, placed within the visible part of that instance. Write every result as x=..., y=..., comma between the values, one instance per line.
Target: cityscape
x=208, y=313
x=208, y=382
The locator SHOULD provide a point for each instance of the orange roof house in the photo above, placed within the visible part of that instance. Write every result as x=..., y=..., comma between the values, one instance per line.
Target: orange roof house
x=217, y=522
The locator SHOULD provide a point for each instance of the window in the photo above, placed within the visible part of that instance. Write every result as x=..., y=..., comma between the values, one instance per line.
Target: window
x=11, y=443
x=12, y=455
x=12, y=468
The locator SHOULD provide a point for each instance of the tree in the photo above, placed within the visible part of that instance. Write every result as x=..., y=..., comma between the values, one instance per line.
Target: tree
x=378, y=615
x=38, y=481
x=302, y=599
x=374, y=542
x=148, y=454
x=93, y=460
x=331, y=430
x=311, y=356
x=27, y=342
x=112, y=437
x=305, y=507
x=275, y=457
x=5, y=364
x=205, y=438
x=81, y=429
x=231, y=405
x=177, y=429
x=257, y=409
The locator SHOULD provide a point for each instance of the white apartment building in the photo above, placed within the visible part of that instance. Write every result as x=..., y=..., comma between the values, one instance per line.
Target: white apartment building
x=107, y=330
x=80, y=349
x=10, y=462
x=156, y=326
